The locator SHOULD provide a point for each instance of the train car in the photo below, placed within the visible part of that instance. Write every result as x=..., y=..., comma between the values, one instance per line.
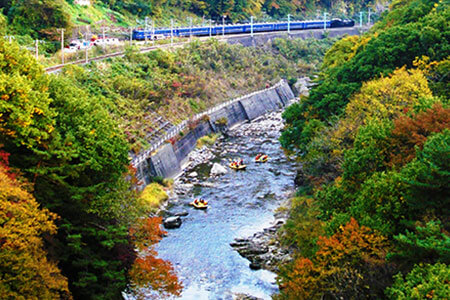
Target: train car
x=335, y=23
x=244, y=28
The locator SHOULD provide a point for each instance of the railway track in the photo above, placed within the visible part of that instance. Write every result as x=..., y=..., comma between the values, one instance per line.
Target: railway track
x=54, y=69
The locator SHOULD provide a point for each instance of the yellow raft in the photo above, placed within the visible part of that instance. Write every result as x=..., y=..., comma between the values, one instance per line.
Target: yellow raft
x=262, y=159
x=199, y=205
x=237, y=167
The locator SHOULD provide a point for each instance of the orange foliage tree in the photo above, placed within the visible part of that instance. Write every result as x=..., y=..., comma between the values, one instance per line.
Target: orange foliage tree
x=347, y=265
x=148, y=271
x=26, y=273
x=412, y=131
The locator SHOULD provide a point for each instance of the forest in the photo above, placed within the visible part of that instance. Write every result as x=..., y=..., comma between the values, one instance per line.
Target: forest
x=371, y=217
x=74, y=224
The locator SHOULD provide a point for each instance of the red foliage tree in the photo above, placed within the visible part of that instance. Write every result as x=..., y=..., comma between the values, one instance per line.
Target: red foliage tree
x=149, y=271
x=412, y=131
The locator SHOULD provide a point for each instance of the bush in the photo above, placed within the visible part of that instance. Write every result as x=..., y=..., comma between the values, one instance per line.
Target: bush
x=423, y=282
x=152, y=196
x=207, y=140
x=158, y=179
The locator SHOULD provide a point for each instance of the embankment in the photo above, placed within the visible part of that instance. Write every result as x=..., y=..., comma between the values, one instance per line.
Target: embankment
x=167, y=159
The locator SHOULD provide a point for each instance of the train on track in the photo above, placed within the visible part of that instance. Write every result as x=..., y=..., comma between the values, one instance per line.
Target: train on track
x=141, y=34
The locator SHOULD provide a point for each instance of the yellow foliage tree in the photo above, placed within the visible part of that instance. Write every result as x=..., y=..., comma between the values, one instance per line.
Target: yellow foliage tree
x=342, y=51
x=26, y=271
x=383, y=98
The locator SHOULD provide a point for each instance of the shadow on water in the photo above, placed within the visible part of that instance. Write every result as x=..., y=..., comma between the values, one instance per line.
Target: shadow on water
x=241, y=203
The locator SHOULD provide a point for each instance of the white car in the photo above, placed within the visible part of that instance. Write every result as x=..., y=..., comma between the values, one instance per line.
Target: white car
x=76, y=45
x=106, y=42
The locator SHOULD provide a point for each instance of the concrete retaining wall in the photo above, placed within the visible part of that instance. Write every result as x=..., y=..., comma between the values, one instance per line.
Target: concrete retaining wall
x=166, y=161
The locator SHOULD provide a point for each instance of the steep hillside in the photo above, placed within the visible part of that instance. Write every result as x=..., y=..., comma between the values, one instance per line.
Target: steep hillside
x=42, y=18
x=371, y=219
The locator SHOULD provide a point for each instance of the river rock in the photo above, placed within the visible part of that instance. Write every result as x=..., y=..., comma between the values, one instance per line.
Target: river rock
x=183, y=188
x=205, y=184
x=241, y=296
x=255, y=266
x=193, y=174
x=218, y=169
x=263, y=249
x=172, y=222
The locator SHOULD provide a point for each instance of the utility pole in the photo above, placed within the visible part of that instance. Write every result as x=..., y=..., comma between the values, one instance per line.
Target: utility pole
x=190, y=28
x=153, y=32
x=37, y=49
x=87, y=48
x=103, y=37
x=210, y=27
x=324, y=21
x=223, y=25
x=131, y=36
x=289, y=24
x=360, y=18
x=251, y=26
x=62, y=45
x=368, y=17
x=171, y=32
x=145, y=30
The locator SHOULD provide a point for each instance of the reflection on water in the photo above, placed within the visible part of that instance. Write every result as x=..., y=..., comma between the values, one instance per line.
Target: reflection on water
x=240, y=204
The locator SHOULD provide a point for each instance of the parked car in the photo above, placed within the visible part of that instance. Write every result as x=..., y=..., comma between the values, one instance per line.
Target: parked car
x=107, y=41
x=76, y=45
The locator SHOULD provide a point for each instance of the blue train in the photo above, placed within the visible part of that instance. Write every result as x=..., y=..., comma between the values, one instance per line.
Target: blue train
x=141, y=34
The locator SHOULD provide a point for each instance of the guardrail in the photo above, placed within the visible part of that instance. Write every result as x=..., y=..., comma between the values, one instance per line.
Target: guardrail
x=180, y=127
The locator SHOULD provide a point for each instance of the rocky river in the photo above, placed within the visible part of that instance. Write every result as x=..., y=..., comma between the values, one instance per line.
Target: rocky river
x=242, y=217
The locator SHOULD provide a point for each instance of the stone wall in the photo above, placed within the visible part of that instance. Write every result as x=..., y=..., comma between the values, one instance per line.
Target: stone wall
x=166, y=160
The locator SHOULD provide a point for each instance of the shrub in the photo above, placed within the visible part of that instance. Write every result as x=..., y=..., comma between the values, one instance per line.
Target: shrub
x=207, y=140
x=423, y=282
x=152, y=196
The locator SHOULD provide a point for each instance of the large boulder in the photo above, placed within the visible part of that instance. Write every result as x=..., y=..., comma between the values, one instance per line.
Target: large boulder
x=218, y=169
x=193, y=174
x=172, y=222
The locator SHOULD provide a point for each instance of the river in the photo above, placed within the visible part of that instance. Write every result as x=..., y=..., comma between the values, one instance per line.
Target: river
x=240, y=204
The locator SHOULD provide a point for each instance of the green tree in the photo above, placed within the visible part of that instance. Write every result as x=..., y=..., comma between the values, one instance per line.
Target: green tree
x=424, y=281
x=427, y=244
x=39, y=18
x=428, y=177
